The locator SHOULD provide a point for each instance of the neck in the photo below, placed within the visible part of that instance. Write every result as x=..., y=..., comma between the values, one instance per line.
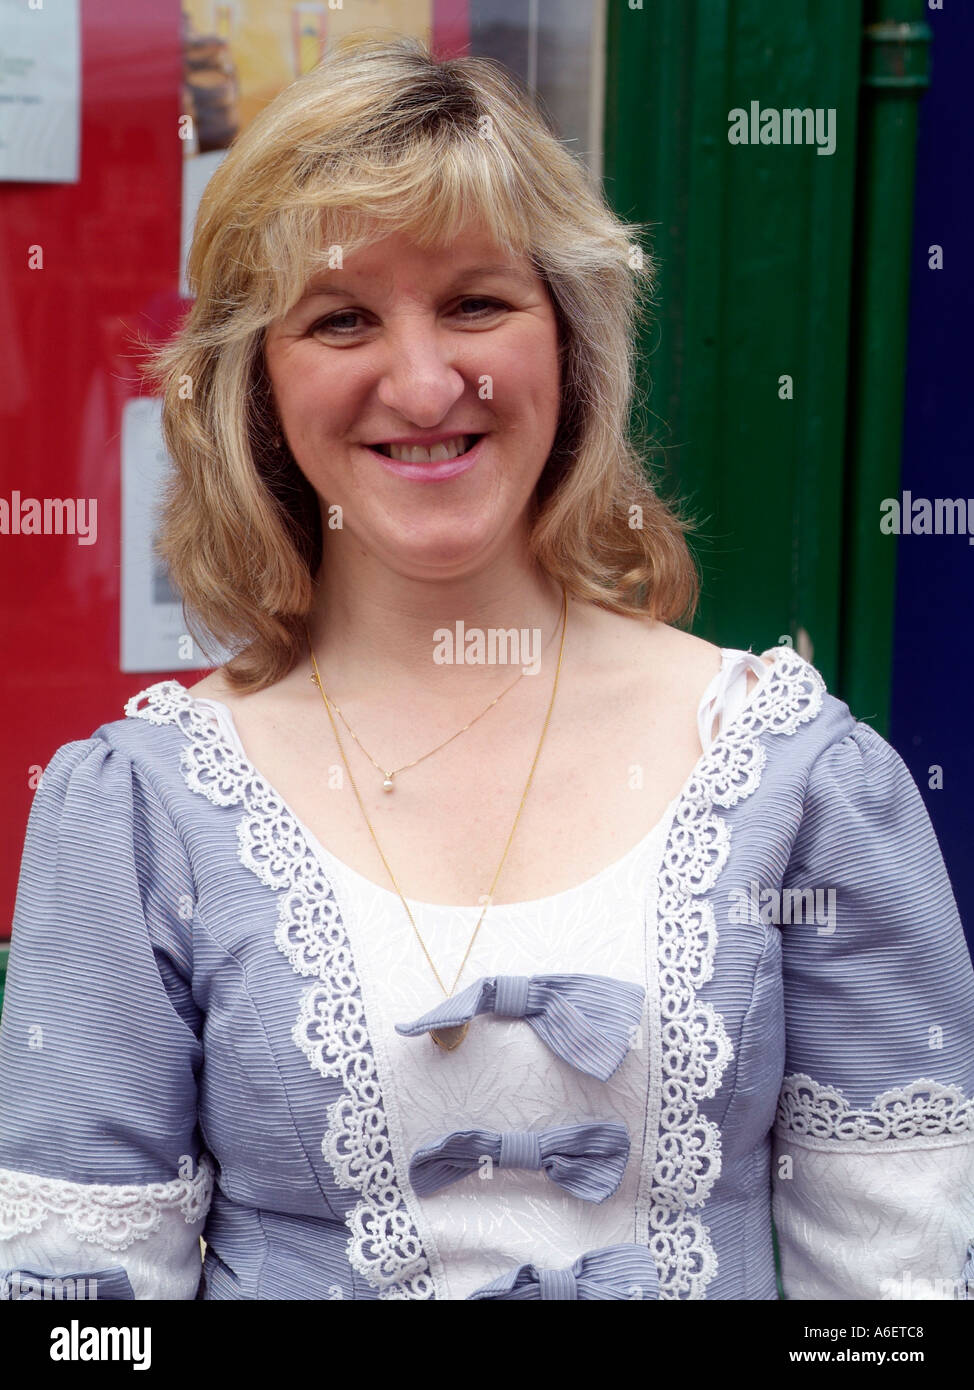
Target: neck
x=370, y=626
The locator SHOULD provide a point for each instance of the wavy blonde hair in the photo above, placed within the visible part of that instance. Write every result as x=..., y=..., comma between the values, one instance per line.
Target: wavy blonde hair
x=382, y=136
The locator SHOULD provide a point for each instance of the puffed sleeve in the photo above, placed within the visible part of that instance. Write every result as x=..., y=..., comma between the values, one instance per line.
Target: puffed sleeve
x=873, y=1173
x=103, y=1178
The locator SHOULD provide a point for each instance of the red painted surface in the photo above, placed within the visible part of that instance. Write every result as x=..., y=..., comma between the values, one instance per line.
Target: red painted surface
x=68, y=361
x=69, y=353
x=451, y=28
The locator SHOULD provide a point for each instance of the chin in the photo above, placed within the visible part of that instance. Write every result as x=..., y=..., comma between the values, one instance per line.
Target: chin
x=446, y=559
x=442, y=566
x=450, y=548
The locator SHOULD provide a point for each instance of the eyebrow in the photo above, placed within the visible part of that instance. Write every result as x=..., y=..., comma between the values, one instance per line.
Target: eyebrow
x=468, y=273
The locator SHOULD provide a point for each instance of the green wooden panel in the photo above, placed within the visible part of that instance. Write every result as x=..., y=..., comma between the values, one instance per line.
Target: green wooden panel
x=756, y=244
x=895, y=71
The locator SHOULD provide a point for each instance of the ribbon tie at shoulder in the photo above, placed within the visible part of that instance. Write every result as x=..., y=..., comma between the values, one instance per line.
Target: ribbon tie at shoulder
x=616, y=1272
x=586, y=1020
x=586, y=1160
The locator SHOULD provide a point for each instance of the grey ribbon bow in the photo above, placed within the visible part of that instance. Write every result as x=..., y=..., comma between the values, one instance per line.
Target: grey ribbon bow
x=586, y=1020
x=617, y=1272
x=586, y=1160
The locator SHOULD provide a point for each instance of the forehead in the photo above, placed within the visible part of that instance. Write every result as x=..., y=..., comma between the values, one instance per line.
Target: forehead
x=396, y=261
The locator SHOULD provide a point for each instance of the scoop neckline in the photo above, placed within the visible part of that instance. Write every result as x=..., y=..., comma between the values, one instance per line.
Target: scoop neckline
x=323, y=853
x=236, y=743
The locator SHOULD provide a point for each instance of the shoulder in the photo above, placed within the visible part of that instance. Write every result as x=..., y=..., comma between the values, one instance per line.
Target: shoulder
x=269, y=702
x=211, y=687
x=100, y=799
x=134, y=761
x=666, y=659
x=859, y=765
x=605, y=635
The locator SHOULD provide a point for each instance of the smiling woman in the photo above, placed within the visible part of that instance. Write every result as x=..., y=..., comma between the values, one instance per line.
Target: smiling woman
x=416, y=328
x=402, y=250
x=360, y=927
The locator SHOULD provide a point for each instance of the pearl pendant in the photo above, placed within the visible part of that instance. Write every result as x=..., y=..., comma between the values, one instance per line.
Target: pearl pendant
x=387, y=785
x=449, y=1038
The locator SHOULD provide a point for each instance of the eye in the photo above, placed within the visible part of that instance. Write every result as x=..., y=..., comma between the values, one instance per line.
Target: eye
x=331, y=324
x=477, y=299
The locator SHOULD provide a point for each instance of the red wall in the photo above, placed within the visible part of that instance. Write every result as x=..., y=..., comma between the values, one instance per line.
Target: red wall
x=67, y=363
x=69, y=352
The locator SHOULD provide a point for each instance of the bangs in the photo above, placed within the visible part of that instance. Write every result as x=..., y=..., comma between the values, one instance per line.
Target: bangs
x=437, y=190
x=327, y=171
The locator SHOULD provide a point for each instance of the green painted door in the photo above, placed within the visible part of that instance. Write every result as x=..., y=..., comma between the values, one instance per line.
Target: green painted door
x=771, y=378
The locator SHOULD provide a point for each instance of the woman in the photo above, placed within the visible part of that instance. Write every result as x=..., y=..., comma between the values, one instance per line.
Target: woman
x=395, y=975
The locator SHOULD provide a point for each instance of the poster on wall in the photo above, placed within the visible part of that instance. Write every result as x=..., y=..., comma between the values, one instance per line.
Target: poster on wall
x=40, y=89
x=154, y=635
x=237, y=56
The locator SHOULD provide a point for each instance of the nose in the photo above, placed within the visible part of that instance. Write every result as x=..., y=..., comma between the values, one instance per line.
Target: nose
x=419, y=376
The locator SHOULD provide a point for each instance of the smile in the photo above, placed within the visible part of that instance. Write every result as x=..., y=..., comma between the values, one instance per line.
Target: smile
x=446, y=460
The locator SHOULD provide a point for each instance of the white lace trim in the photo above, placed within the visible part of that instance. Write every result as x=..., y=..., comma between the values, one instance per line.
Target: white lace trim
x=695, y=1045
x=113, y=1215
x=924, y=1114
x=385, y=1247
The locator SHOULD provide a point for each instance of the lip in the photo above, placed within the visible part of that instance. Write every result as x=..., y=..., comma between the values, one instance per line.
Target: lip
x=438, y=472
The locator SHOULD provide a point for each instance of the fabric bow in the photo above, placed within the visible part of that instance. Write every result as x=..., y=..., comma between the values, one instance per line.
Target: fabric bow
x=586, y=1160
x=617, y=1272
x=586, y=1020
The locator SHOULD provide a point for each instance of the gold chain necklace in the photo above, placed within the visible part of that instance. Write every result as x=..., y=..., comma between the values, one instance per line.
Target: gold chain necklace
x=460, y=1032
x=387, y=784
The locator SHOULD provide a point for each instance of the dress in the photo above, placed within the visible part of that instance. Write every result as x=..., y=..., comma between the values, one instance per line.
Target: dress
x=757, y=1024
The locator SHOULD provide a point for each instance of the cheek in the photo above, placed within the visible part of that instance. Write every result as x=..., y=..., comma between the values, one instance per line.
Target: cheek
x=314, y=406
x=292, y=368
x=527, y=385
x=307, y=392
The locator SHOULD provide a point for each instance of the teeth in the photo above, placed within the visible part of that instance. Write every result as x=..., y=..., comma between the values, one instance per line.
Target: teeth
x=439, y=453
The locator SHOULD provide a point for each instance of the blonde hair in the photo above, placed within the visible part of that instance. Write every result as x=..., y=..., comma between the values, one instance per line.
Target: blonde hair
x=382, y=137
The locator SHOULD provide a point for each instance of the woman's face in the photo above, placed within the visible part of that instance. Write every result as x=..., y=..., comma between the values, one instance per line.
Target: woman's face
x=405, y=344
